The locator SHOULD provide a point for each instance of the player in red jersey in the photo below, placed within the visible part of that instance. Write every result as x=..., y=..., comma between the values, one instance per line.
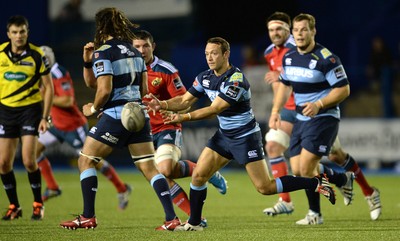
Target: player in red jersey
x=278, y=25
x=164, y=83
x=71, y=126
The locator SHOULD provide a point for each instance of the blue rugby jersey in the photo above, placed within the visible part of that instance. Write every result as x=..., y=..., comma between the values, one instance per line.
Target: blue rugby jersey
x=312, y=76
x=121, y=60
x=237, y=120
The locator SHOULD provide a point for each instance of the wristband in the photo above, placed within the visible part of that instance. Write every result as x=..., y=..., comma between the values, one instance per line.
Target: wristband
x=48, y=119
x=87, y=65
x=166, y=104
x=322, y=104
x=92, y=109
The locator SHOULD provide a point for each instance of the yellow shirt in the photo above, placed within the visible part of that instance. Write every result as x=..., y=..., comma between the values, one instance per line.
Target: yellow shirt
x=20, y=79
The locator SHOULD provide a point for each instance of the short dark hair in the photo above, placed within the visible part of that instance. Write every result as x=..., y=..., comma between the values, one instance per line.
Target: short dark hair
x=221, y=42
x=143, y=35
x=281, y=16
x=17, y=20
x=304, y=16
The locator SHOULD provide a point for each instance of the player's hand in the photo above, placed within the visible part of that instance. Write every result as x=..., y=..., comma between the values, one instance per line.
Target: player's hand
x=88, y=50
x=86, y=109
x=271, y=77
x=152, y=103
x=170, y=117
x=274, y=121
x=44, y=125
x=310, y=109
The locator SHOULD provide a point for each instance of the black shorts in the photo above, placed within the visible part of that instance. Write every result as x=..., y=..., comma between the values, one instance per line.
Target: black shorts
x=20, y=121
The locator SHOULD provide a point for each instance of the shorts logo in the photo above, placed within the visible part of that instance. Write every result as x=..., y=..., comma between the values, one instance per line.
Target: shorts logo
x=93, y=130
x=28, y=128
x=322, y=148
x=110, y=138
x=252, y=153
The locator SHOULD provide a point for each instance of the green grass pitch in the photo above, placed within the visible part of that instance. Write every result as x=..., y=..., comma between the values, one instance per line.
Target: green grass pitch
x=234, y=216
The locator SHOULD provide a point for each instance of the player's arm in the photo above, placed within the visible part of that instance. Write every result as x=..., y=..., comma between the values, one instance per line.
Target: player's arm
x=280, y=98
x=88, y=74
x=48, y=94
x=103, y=92
x=179, y=103
x=144, y=89
x=335, y=96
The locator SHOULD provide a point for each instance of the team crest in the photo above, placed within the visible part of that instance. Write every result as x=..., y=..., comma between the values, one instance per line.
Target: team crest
x=312, y=64
x=156, y=82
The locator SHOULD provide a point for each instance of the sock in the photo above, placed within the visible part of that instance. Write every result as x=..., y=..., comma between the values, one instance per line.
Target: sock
x=313, y=200
x=293, y=183
x=279, y=169
x=161, y=187
x=10, y=186
x=109, y=172
x=47, y=173
x=180, y=198
x=339, y=179
x=351, y=165
x=186, y=168
x=198, y=196
x=89, y=186
x=35, y=180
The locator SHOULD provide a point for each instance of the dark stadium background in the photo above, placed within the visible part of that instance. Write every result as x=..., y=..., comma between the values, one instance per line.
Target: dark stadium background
x=345, y=27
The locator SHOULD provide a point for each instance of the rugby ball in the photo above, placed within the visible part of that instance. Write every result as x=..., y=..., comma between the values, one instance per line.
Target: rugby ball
x=132, y=117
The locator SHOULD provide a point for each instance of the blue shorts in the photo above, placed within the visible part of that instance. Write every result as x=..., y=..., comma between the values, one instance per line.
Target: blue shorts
x=20, y=121
x=74, y=138
x=316, y=135
x=111, y=132
x=288, y=115
x=173, y=137
x=244, y=149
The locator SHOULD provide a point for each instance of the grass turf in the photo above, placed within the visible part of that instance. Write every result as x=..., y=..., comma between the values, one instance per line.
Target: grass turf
x=234, y=216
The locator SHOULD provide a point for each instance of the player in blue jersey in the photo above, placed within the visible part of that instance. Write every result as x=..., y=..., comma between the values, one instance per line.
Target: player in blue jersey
x=238, y=136
x=319, y=83
x=118, y=73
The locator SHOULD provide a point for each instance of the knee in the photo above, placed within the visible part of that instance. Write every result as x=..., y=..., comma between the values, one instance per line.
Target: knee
x=166, y=170
x=199, y=179
x=31, y=166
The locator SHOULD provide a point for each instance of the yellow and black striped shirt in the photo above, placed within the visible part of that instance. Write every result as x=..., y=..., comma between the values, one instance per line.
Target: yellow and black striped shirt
x=20, y=76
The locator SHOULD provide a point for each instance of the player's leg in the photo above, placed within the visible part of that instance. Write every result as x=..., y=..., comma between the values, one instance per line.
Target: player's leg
x=8, y=147
x=277, y=141
x=52, y=188
x=346, y=161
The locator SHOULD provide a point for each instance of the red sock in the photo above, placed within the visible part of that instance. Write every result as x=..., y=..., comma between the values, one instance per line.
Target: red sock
x=187, y=168
x=47, y=173
x=360, y=179
x=181, y=200
x=279, y=169
x=110, y=173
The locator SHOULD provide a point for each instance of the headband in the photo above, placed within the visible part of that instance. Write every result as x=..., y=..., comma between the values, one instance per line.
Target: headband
x=278, y=23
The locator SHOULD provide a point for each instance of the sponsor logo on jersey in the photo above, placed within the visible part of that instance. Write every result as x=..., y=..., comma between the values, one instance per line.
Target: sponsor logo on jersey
x=110, y=138
x=156, y=82
x=340, y=73
x=312, y=64
x=252, y=153
x=178, y=83
x=27, y=63
x=206, y=83
x=99, y=67
x=295, y=71
x=236, y=77
x=18, y=76
x=65, y=86
x=125, y=50
x=232, y=92
x=288, y=61
x=104, y=47
x=325, y=53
